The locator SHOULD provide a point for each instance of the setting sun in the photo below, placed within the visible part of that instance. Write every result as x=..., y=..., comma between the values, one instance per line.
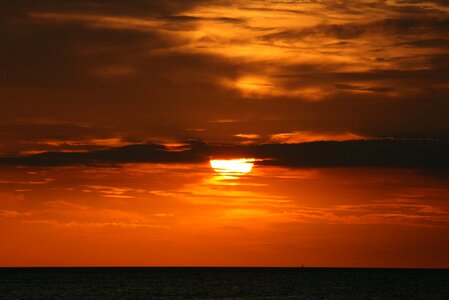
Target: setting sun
x=224, y=149
x=241, y=165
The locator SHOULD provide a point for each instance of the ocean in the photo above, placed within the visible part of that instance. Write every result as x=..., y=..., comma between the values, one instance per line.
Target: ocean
x=222, y=283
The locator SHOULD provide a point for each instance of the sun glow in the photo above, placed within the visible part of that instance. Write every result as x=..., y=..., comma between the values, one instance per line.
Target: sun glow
x=232, y=166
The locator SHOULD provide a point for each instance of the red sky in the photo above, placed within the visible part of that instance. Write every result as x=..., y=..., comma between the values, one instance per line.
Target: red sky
x=110, y=111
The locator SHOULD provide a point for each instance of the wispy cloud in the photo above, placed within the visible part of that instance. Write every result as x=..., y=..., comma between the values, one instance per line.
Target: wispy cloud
x=396, y=212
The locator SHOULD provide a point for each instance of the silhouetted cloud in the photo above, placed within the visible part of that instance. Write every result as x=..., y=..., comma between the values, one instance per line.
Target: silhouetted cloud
x=374, y=153
x=127, y=154
x=415, y=154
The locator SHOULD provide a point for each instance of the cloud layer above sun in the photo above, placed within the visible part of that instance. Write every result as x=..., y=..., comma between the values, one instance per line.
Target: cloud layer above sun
x=83, y=75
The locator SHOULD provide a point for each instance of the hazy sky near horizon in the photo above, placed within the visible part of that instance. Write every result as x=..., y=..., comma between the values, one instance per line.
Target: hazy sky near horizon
x=111, y=109
x=187, y=215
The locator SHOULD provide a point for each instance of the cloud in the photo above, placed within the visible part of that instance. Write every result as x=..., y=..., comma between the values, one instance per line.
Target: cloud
x=149, y=71
x=417, y=154
x=399, y=28
x=408, y=213
x=301, y=137
x=420, y=2
x=76, y=224
x=375, y=153
x=131, y=153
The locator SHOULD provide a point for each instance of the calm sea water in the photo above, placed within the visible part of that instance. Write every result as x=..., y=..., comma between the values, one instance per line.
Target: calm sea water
x=222, y=283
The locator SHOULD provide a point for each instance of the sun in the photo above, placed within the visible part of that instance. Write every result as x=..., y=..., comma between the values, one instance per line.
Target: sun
x=232, y=166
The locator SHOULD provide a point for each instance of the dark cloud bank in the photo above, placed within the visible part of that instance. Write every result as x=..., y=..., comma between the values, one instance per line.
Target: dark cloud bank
x=415, y=154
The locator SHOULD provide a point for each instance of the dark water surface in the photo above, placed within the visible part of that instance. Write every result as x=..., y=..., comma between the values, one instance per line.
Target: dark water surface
x=222, y=283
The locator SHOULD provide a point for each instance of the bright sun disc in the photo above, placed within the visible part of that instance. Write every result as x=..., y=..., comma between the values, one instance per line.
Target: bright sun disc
x=241, y=165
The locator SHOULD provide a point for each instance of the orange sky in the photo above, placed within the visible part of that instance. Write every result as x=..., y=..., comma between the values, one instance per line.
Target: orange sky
x=111, y=109
x=149, y=214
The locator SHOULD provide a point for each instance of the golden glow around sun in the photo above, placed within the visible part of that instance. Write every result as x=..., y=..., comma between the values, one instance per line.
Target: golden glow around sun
x=232, y=166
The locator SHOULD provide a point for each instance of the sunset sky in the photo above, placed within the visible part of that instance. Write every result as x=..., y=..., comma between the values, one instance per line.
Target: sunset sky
x=111, y=112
